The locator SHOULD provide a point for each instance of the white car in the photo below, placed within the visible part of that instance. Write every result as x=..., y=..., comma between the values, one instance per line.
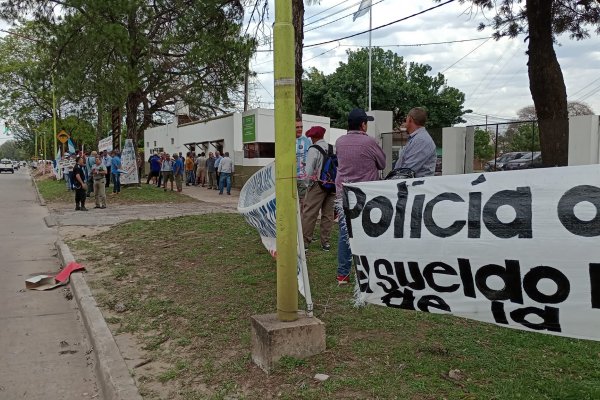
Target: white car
x=6, y=166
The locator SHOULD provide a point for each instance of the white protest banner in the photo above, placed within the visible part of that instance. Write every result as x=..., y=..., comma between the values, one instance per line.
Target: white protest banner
x=129, y=164
x=105, y=144
x=518, y=249
x=257, y=205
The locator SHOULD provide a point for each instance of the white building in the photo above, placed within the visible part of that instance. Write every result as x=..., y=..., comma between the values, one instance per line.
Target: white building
x=249, y=137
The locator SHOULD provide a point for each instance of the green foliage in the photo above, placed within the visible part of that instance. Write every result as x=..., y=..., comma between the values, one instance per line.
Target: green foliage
x=396, y=86
x=524, y=137
x=483, y=145
x=9, y=149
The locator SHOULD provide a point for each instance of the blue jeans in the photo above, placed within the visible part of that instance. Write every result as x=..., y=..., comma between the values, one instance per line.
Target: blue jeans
x=116, y=183
x=344, y=252
x=225, y=177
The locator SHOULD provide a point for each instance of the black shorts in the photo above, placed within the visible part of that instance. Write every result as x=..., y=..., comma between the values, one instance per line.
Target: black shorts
x=154, y=173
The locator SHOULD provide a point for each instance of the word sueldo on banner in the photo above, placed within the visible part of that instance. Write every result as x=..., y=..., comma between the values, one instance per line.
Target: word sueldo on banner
x=516, y=249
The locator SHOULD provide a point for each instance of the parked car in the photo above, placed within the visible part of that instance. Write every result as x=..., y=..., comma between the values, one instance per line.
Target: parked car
x=498, y=163
x=6, y=166
x=529, y=160
x=16, y=165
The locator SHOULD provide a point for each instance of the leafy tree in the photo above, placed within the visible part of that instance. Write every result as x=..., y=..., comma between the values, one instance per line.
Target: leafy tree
x=396, y=86
x=11, y=150
x=523, y=137
x=148, y=54
x=483, y=145
x=574, y=108
x=298, y=22
x=541, y=21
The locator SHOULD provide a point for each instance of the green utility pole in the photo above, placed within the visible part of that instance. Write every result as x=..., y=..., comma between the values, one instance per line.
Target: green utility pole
x=285, y=162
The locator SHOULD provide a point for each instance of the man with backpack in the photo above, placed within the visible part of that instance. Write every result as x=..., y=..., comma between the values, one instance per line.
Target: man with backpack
x=320, y=169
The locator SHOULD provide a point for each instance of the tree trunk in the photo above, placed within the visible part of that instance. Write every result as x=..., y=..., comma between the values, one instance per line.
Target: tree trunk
x=298, y=22
x=131, y=116
x=547, y=85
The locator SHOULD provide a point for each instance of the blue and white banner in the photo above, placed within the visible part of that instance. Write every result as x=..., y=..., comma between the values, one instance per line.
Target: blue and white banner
x=518, y=249
x=365, y=7
x=257, y=205
x=129, y=164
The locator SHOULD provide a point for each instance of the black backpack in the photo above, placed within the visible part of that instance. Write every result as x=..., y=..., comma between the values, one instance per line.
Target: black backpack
x=329, y=168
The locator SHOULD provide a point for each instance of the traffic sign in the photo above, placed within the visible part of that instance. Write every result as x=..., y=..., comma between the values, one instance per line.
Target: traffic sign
x=62, y=136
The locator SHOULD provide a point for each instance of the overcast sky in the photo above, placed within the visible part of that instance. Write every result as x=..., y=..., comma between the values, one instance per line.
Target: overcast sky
x=493, y=77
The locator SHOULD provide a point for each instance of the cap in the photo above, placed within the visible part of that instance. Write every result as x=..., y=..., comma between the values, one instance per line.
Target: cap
x=316, y=132
x=359, y=115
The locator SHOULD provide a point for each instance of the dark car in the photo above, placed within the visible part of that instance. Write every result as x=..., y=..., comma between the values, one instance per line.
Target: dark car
x=529, y=160
x=498, y=163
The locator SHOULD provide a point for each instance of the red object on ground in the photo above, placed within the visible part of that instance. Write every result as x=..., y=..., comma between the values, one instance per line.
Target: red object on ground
x=63, y=276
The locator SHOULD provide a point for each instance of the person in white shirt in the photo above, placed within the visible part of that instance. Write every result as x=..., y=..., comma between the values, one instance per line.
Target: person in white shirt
x=225, y=171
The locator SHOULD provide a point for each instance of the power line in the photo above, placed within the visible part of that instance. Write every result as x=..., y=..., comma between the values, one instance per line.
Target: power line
x=381, y=26
x=332, y=14
x=308, y=59
x=585, y=87
x=336, y=20
x=421, y=44
x=327, y=9
x=465, y=56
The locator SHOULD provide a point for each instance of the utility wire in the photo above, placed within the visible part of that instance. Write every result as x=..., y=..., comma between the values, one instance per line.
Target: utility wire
x=585, y=87
x=327, y=9
x=381, y=26
x=333, y=14
x=336, y=20
x=465, y=56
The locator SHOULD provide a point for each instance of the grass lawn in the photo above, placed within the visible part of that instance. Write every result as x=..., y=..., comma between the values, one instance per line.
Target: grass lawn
x=190, y=285
x=55, y=192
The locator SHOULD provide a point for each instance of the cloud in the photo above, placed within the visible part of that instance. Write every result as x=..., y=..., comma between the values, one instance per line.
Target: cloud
x=494, y=77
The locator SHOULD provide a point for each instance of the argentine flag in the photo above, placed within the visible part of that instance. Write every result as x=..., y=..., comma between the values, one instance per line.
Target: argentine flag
x=365, y=6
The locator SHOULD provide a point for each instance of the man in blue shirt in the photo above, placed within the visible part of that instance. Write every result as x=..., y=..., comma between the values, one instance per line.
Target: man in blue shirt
x=115, y=167
x=302, y=145
x=178, y=171
x=154, y=161
x=419, y=153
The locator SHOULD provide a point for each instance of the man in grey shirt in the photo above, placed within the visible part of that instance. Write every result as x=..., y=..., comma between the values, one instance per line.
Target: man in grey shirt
x=225, y=169
x=419, y=153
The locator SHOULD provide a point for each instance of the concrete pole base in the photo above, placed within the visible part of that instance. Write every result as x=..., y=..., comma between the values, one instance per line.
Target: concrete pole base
x=273, y=339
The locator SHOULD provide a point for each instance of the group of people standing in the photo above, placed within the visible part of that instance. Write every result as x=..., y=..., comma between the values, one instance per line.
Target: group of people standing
x=359, y=159
x=92, y=173
x=214, y=170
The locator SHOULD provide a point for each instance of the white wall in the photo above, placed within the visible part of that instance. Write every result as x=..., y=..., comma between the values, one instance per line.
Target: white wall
x=453, y=150
x=227, y=128
x=584, y=140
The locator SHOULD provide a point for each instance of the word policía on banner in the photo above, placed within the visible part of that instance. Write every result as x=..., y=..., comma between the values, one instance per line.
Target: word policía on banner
x=518, y=249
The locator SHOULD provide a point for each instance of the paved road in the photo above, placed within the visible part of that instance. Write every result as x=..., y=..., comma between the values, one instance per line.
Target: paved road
x=33, y=362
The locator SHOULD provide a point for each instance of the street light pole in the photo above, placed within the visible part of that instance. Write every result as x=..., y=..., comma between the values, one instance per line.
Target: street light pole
x=285, y=162
x=54, y=116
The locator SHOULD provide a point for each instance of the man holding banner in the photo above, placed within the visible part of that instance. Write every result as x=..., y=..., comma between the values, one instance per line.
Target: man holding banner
x=360, y=158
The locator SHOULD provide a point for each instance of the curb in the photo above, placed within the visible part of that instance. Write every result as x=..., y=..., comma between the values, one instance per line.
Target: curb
x=39, y=196
x=114, y=376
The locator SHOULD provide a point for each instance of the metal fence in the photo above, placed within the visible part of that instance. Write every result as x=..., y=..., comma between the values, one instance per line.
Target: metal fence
x=507, y=146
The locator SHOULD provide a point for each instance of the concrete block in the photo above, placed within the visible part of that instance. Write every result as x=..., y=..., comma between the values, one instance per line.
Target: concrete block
x=273, y=339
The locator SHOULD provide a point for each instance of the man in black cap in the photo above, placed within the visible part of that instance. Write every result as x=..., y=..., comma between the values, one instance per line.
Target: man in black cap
x=360, y=158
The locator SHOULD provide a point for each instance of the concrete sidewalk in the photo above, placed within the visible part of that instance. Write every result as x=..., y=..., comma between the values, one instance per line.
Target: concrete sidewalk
x=44, y=351
x=210, y=202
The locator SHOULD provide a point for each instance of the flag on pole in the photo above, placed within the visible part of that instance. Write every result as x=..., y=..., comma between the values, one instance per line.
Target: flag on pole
x=365, y=6
x=71, y=147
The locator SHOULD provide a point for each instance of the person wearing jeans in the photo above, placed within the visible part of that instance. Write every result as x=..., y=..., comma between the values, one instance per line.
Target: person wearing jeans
x=225, y=170
x=116, y=175
x=360, y=158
